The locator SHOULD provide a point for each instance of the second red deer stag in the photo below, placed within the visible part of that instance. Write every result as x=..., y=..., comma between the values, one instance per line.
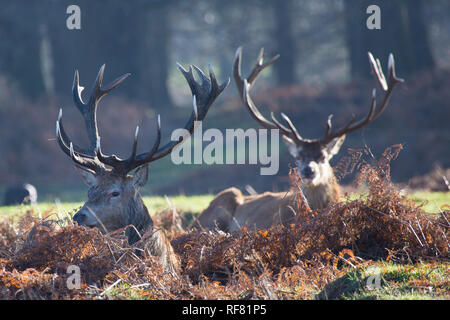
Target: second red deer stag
x=114, y=201
x=230, y=210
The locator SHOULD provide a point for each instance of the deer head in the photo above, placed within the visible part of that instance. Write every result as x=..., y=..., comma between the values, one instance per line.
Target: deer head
x=113, y=197
x=312, y=156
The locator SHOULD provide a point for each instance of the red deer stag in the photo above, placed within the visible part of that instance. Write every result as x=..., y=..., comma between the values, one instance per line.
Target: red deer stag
x=230, y=210
x=113, y=198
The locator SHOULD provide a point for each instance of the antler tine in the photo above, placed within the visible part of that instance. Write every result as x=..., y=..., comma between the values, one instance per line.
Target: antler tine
x=63, y=139
x=393, y=80
x=144, y=158
x=281, y=127
x=86, y=157
x=76, y=91
x=62, y=142
x=374, y=113
x=292, y=128
x=88, y=163
x=98, y=92
x=134, y=149
x=204, y=94
x=259, y=66
x=88, y=110
x=328, y=130
x=254, y=112
x=377, y=71
x=290, y=132
x=245, y=84
x=123, y=166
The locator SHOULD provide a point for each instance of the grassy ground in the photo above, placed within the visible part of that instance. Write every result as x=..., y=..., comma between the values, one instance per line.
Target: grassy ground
x=190, y=204
x=379, y=280
x=432, y=202
x=388, y=281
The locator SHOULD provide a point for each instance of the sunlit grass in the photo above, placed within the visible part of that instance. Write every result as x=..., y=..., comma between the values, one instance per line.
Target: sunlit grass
x=192, y=204
x=432, y=202
x=422, y=281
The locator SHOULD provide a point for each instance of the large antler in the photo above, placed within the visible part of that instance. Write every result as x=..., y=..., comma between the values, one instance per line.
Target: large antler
x=204, y=94
x=86, y=157
x=244, y=86
x=387, y=86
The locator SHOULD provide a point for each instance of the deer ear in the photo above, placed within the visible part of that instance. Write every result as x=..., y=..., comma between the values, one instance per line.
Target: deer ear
x=292, y=146
x=334, y=145
x=140, y=176
x=87, y=175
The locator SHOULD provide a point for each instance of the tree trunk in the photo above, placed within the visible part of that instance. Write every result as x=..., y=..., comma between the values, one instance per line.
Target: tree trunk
x=155, y=57
x=418, y=36
x=20, y=59
x=284, y=38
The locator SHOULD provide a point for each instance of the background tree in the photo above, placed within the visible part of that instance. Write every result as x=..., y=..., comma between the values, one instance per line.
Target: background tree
x=323, y=47
x=403, y=32
x=20, y=41
x=285, y=40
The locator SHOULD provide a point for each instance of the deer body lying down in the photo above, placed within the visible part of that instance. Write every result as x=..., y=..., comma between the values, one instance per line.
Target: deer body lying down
x=231, y=210
x=114, y=201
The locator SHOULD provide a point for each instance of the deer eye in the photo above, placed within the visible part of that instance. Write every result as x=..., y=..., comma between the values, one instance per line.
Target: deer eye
x=115, y=194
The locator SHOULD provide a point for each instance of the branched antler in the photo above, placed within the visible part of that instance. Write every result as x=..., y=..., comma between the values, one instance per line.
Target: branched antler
x=374, y=113
x=204, y=94
x=245, y=84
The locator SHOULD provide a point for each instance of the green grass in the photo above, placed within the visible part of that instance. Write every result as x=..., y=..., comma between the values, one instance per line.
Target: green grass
x=423, y=281
x=433, y=202
x=191, y=204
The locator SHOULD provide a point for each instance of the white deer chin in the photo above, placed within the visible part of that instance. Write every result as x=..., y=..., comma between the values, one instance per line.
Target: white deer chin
x=321, y=176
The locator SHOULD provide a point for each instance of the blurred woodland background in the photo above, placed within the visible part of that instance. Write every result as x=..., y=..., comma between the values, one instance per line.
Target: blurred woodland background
x=323, y=69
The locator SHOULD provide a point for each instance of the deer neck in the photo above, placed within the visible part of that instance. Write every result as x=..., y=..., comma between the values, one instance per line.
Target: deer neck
x=323, y=194
x=139, y=217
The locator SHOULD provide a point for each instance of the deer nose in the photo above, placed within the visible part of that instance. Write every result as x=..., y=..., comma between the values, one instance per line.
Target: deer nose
x=79, y=217
x=308, y=172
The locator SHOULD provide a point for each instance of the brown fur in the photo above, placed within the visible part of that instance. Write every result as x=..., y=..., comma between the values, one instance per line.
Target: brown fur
x=230, y=210
x=322, y=196
x=110, y=213
x=157, y=244
x=312, y=156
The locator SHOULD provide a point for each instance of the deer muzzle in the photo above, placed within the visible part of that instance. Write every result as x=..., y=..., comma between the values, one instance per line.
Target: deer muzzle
x=85, y=218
